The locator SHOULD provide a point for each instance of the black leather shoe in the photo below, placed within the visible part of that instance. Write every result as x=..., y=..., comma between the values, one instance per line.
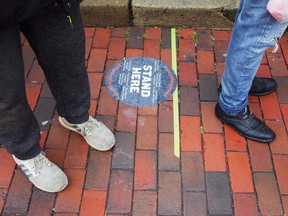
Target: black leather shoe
x=247, y=125
x=261, y=86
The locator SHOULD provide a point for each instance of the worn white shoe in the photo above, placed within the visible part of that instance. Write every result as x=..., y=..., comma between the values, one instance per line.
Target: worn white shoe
x=96, y=134
x=44, y=174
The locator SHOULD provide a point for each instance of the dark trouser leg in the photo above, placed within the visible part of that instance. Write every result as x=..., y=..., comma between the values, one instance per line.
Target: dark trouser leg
x=19, y=130
x=60, y=50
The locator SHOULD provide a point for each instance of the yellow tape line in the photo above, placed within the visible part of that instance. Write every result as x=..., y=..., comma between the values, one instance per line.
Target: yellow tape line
x=175, y=96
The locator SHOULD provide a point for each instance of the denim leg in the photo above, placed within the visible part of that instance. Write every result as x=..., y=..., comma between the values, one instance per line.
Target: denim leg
x=60, y=50
x=254, y=31
x=19, y=130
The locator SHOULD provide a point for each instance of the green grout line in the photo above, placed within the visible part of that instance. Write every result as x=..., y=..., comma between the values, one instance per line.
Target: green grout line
x=175, y=96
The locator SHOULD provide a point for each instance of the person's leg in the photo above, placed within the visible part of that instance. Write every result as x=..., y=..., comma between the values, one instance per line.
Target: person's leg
x=19, y=130
x=255, y=30
x=60, y=50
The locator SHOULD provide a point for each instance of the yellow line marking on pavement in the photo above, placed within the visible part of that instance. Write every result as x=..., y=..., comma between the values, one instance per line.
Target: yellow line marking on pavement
x=175, y=96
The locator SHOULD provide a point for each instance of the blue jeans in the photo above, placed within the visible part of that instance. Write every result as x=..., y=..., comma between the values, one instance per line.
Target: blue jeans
x=254, y=31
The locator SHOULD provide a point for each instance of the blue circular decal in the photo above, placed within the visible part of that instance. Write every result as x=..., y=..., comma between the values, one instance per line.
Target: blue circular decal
x=141, y=81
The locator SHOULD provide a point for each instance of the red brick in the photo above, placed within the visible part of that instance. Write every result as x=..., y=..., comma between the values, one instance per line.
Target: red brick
x=66, y=214
x=131, y=53
x=169, y=192
x=93, y=106
x=127, y=116
x=186, y=33
x=190, y=133
x=214, y=155
x=41, y=203
x=263, y=71
x=97, y=60
x=89, y=34
x=277, y=65
x=194, y=204
x=147, y=132
x=32, y=92
x=221, y=35
x=153, y=33
x=151, y=110
x=144, y=203
x=120, y=192
x=280, y=144
x=145, y=170
x=165, y=122
x=205, y=62
x=255, y=107
x=234, y=142
x=211, y=124
x=101, y=38
x=123, y=154
x=7, y=166
x=208, y=87
x=98, y=170
x=189, y=101
x=69, y=200
x=270, y=106
x=3, y=193
x=264, y=60
x=152, y=48
x=284, y=109
x=187, y=74
x=36, y=74
x=220, y=69
x=187, y=51
x=220, y=50
x=76, y=153
x=93, y=203
x=43, y=138
x=118, y=32
x=282, y=90
x=260, y=156
x=116, y=48
x=166, y=56
x=167, y=158
x=245, y=204
x=109, y=121
x=284, y=202
x=58, y=136
x=240, y=172
x=28, y=56
x=95, y=80
x=192, y=171
x=268, y=196
x=204, y=39
x=57, y=156
x=107, y=104
x=280, y=163
x=18, y=198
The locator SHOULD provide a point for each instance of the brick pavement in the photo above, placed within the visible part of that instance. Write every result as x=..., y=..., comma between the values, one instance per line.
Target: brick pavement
x=218, y=172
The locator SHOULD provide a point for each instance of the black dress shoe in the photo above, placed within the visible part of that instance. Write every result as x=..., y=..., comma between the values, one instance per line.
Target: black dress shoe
x=247, y=124
x=261, y=86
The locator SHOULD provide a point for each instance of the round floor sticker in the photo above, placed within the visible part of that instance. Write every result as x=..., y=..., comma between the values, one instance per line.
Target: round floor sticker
x=141, y=81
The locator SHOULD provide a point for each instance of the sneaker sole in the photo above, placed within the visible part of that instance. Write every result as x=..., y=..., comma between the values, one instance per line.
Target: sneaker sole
x=61, y=189
x=72, y=129
x=248, y=137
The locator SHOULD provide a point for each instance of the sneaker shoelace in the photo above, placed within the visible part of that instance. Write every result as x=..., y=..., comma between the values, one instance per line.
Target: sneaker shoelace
x=35, y=164
x=89, y=126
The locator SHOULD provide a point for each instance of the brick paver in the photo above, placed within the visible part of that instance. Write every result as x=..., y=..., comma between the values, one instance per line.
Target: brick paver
x=218, y=172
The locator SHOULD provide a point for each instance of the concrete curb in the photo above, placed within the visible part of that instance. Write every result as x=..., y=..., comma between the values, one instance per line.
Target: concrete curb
x=217, y=14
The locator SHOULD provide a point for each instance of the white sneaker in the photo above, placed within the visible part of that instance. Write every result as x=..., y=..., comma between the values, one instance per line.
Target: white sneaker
x=96, y=134
x=44, y=174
